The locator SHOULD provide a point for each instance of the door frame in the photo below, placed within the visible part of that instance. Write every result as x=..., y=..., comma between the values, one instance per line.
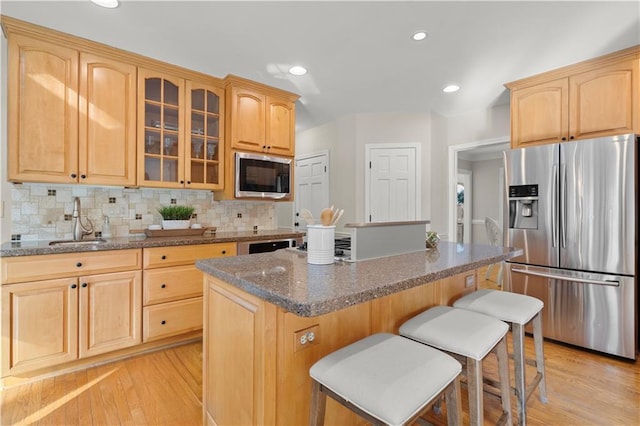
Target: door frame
x=467, y=180
x=453, y=176
x=367, y=179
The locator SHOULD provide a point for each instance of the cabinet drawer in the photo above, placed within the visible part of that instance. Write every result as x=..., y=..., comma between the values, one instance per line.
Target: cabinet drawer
x=34, y=268
x=168, y=284
x=158, y=257
x=169, y=319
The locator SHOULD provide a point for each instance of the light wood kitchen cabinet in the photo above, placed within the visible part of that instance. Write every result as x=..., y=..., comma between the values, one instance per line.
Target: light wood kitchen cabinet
x=259, y=118
x=172, y=294
x=71, y=115
x=110, y=312
x=204, y=154
x=39, y=324
x=179, y=132
x=595, y=98
x=107, y=122
x=59, y=308
x=42, y=111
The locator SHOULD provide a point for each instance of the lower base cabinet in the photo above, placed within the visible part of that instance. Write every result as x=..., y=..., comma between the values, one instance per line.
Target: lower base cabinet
x=46, y=323
x=255, y=368
x=172, y=318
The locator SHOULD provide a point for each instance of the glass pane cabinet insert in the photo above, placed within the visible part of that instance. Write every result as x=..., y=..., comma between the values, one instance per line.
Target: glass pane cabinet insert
x=162, y=138
x=203, y=138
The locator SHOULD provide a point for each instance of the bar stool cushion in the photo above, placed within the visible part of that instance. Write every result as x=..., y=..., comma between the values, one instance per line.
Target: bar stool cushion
x=507, y=306
x=460, y=331
x=387, y=376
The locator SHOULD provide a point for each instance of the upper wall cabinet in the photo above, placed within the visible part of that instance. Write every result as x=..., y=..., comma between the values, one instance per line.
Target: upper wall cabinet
x=179, y=122
x=259, y=118
x=71, y=115
x=595, y=98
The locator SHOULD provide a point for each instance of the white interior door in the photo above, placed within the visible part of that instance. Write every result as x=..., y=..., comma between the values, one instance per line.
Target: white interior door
x=393, y=190
x=312, y=185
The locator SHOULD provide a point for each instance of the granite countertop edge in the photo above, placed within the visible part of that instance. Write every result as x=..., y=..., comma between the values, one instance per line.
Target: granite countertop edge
x=135, y=241
x=313, y=309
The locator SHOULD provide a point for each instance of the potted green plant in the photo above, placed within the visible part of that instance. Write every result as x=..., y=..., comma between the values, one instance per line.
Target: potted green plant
x=176, y=217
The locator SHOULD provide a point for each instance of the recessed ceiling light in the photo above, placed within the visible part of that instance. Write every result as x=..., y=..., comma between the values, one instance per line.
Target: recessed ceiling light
x=420, y=35
x=451, y=88
x=106, y=3
x=297, y=70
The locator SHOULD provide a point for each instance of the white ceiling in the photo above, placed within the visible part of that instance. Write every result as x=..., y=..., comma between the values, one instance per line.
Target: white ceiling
x=359, y=54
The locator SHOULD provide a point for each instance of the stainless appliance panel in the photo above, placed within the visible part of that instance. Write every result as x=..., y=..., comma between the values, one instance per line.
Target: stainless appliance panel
x=266, y=246
x=529, y=166
x=595, y=311
x=597, y=205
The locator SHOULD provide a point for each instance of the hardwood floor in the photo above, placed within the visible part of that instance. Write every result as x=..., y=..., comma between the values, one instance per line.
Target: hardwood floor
x=160, y=388
x=165, y=388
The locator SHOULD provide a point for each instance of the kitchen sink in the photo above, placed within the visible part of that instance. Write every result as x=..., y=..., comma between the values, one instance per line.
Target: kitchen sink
x=94, y=241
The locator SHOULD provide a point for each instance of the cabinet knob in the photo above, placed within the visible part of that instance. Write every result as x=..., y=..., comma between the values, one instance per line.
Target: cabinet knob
x=224, y=252
x=83, y=176
x=163, y=322
x=268, y=147
x=73, y=286
x=84, y=285
x=188, y=182
x=571, y=137
x=79, y=264
x=163, y=257
x=73, y=175
x=163, y=286
x=181, y=182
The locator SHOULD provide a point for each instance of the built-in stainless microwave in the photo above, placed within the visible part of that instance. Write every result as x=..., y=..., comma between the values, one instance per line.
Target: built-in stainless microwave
x=262, y=176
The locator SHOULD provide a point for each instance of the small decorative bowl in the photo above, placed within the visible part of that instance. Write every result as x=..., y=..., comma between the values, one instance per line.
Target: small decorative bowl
x=432, y=239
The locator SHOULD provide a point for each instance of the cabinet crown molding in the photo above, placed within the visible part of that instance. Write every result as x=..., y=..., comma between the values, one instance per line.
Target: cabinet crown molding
x=234, y=80
x=566, y=71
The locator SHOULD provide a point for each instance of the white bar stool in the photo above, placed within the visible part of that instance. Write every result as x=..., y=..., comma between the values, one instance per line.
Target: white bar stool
x=472, y=336
x=386, y=379
x=518, y=310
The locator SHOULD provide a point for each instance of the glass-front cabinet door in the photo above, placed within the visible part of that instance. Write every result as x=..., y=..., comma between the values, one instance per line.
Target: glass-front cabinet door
x=161, y=124
x=204, y=123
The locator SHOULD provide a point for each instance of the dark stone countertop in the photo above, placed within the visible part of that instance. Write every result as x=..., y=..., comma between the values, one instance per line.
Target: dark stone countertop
x=29, y=248
x=285, y=279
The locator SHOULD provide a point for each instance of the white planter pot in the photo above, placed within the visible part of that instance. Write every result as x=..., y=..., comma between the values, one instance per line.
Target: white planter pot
x=176, y=224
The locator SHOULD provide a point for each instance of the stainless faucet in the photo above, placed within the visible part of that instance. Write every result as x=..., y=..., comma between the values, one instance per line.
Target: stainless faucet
x=79, y=230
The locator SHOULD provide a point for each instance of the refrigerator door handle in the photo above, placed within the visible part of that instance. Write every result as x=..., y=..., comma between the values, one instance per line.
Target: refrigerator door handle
x=563, y=206
x=554, y=207
x=566, y=278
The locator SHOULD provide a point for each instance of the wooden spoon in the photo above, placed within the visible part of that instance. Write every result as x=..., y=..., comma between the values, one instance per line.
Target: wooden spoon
x=326, y=216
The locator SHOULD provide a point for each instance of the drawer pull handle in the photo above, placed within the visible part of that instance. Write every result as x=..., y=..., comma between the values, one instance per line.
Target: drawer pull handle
x=163, y=286
x=163, y=257
x=73, y=286
x=163, y=322
x=79, y=264
x=84, y=285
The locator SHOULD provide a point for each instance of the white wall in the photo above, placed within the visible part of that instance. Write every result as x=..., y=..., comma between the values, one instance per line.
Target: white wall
x=487, y=200
x=345, y=139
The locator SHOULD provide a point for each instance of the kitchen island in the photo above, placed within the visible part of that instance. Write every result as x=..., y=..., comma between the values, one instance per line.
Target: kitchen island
x=269, y=317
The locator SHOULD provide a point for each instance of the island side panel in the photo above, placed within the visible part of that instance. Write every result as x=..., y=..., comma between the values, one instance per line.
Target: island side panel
x=390, y=312
x=239, y=357
x=330, y=332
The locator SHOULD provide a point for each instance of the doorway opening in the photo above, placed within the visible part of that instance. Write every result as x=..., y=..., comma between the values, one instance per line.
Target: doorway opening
x=486, y=156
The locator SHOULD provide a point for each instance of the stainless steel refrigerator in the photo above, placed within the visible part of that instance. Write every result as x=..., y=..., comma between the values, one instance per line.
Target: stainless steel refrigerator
x=573, y=207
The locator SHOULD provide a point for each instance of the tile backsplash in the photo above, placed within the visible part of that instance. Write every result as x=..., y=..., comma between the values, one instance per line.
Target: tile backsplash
x=43, y=211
